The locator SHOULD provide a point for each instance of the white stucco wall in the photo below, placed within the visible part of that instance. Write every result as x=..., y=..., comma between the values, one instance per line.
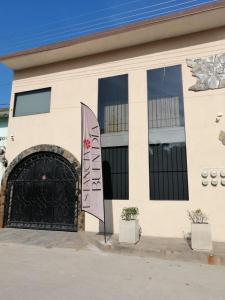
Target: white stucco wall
x=77, y=80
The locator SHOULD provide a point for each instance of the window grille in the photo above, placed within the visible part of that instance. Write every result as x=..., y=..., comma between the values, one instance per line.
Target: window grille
x=116, y=118
x=168, y=172
x=164, y=112
x=115, y=172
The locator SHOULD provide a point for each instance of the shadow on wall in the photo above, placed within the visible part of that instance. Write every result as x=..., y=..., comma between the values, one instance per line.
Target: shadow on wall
x=108, y=195
x=176, y=43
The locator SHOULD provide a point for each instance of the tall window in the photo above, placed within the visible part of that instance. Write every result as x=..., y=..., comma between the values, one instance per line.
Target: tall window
x=113, y=120
x=167, y=145
x=113, y=108
x=32, y=102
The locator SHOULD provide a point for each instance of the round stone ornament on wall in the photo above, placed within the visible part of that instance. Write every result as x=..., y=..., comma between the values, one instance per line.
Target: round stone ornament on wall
x=213, y=173
x=214, y=182
x=204, y=174
x=205, y=182
x=222, y=173
x=213, y=176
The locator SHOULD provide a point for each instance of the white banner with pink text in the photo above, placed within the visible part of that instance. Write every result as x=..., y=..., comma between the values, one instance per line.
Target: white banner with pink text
x=91, y=159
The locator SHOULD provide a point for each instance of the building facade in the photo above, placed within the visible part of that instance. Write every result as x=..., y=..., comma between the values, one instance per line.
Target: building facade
x=162, y=133
x=4, y=114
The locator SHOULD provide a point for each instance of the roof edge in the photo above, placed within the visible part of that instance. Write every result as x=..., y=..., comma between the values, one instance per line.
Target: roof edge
x=200, y=9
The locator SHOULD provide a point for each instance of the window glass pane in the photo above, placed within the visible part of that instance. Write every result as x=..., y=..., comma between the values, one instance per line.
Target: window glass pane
x=165, y=97
x=167, y=145
x=113, y=104
x=115, y=172
x=32, y=102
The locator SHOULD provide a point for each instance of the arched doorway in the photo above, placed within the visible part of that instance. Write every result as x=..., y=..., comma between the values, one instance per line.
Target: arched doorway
x=42, y=193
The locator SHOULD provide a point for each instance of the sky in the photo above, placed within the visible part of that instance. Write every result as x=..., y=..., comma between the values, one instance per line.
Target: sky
x=27, y=24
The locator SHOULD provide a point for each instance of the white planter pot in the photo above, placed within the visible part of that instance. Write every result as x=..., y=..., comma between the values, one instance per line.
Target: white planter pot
x=201, y=239
x=129, y=231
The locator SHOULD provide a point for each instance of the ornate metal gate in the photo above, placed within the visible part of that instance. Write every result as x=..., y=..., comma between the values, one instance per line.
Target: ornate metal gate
x=42, y=193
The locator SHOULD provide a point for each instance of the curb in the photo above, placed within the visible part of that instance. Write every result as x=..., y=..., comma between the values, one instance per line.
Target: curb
x=168, y=254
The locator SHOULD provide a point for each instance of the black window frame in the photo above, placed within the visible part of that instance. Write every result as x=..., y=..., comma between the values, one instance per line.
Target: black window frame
x=101, y=116
x=27, y=93
x=119, y=196
x=186, y=188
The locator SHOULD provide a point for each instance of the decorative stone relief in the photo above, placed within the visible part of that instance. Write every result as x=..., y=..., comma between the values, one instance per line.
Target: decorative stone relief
x=222, y=137
x=213, y=176
x=3, y=160
x=210, y=72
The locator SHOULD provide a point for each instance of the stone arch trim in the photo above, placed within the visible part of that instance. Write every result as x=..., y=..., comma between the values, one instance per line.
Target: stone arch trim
x=43, y=148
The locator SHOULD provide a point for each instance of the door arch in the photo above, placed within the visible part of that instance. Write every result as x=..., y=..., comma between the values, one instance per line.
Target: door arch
x=42, y=193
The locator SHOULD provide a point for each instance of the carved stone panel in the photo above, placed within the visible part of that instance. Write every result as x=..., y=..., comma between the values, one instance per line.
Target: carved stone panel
x=210, y=72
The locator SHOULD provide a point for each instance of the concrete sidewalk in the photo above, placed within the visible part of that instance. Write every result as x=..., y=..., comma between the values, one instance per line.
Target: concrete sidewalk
x=168, y=248
x=165, y=248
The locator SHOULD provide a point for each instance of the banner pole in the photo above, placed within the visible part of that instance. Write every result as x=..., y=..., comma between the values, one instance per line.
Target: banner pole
x=103, y=193
x=81, y=161
x=104, y=220
x=104, y=233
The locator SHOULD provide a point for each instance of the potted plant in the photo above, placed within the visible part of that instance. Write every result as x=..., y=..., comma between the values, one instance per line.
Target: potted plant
x=129, y=229
x=201, y=239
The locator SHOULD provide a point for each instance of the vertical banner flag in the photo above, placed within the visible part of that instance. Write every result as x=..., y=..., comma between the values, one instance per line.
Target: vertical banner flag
x=91, y=158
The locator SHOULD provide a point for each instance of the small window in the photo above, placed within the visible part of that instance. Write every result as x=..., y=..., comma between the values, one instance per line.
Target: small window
x=32, y=102
x=113, y=104
x=115, y=172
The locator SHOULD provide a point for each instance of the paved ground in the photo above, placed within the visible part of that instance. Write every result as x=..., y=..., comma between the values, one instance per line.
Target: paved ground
x=46, y=272
x=166, y=248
